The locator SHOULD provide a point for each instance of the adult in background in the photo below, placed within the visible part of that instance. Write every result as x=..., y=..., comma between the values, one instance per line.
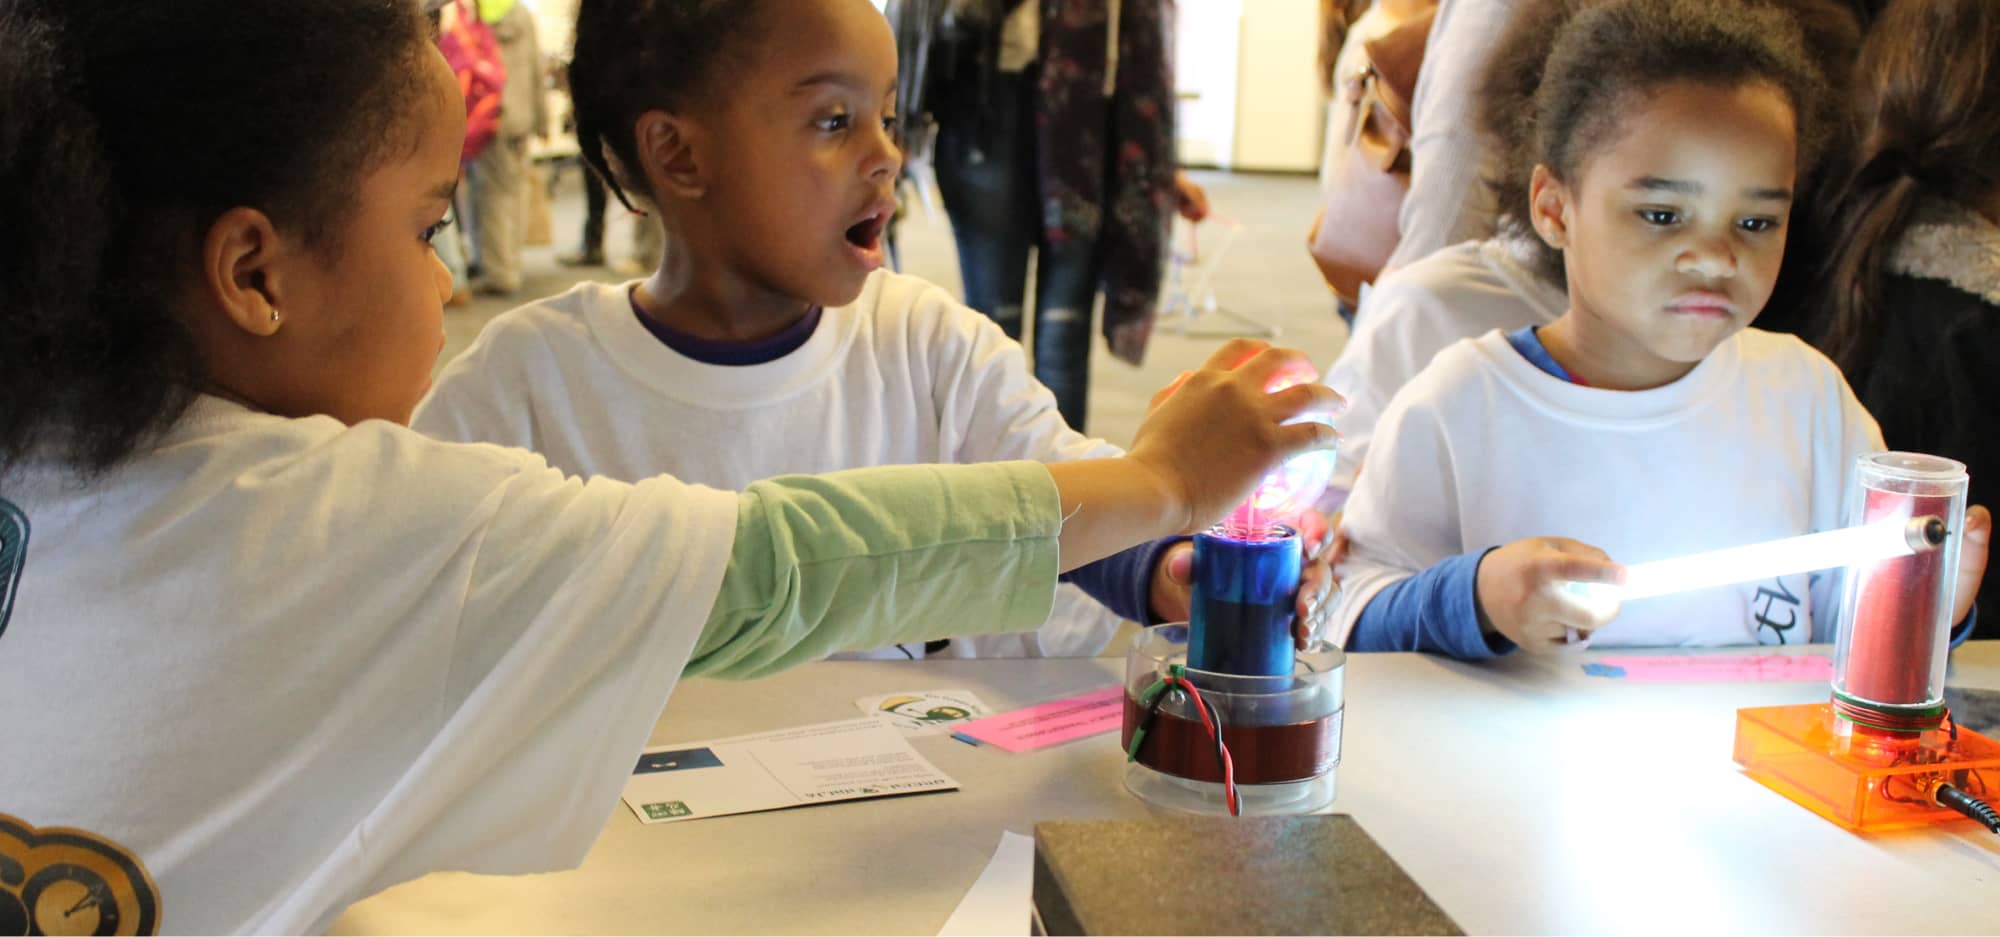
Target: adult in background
x=498, y=176
x=1054, y=123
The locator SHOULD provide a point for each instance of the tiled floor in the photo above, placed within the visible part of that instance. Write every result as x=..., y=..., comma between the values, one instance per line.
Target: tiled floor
x=1263, y=273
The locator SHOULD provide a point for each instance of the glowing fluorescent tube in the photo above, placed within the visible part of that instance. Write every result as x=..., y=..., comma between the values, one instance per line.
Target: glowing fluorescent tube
x=1881, y=540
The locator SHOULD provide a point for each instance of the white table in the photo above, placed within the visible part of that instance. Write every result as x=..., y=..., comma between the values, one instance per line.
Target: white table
x=1524, y=796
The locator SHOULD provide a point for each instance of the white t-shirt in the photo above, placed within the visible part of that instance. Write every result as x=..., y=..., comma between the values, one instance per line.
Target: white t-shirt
x=1484, y=448
x=1460, y=292
x=905, y=374
x=464, y=662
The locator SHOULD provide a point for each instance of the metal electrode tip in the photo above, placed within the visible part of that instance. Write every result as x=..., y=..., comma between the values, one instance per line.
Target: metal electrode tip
x=1925, y=533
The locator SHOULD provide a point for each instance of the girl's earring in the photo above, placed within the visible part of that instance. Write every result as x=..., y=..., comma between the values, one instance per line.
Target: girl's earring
x=274, y=315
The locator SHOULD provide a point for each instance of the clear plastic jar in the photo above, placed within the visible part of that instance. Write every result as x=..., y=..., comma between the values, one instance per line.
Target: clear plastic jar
x=1895, y=614
x=1283, y=733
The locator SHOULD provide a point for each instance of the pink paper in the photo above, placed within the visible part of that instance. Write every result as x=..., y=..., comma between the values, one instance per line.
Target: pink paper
x=1762, y=668
x=1051, y=723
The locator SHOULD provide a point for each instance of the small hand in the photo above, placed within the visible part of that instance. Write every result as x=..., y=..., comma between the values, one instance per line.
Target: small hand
x=1325, y=546
x=1214, y=433
x=1173, y=584
x=1189, y=198
x=1972, y=559
x=1520, y=591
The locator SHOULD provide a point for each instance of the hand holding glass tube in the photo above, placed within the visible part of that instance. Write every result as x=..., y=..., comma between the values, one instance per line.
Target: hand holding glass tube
x=1847, y=546
x=1526, y=591
x=1824, y=550
x=1972, y=550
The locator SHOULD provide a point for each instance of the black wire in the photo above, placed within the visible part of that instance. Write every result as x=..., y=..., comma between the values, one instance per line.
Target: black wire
x=1949, y=796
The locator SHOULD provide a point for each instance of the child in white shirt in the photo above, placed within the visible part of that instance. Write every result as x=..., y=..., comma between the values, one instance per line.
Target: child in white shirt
x=769, y=341
x=1647, y=421
x=264, y=650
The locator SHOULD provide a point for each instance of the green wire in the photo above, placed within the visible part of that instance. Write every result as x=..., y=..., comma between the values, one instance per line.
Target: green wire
x=1145, y=705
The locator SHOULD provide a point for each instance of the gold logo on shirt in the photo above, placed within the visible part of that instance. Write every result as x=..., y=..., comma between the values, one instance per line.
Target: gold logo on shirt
x=67, y=881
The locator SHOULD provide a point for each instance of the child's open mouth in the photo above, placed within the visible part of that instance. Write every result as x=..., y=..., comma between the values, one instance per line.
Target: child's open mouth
x=864, y=238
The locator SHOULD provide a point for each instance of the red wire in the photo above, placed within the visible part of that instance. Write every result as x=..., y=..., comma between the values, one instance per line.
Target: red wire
x=1229, y=795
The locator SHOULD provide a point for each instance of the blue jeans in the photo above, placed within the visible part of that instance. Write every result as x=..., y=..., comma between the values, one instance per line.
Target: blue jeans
x=992, y=192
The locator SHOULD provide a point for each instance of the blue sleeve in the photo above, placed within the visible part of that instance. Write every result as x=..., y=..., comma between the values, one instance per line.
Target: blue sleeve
x=1123, y=582
x=1962, y=631
x=1433, y=611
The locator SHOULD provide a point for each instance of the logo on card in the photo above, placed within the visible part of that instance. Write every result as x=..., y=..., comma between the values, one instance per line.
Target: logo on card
x=65, y=881
x=667, y=811
x=923, y=708
x=13, y=555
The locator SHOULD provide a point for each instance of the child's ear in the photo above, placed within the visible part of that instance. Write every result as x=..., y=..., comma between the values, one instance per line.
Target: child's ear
x=1548, y=207
x=240, y=270
x=669, y=146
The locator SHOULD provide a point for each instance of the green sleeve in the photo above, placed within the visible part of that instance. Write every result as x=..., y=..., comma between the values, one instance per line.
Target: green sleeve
x=878, y=556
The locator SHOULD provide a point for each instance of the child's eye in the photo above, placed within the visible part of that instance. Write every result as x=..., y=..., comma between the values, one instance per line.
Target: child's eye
x=1659, y=216
x=431, y=233
x=889, y=124
x=835, y=123
x=1758, y=225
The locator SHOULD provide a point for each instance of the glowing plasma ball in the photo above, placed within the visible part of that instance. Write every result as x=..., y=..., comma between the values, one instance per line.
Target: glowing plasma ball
x=1293, y=486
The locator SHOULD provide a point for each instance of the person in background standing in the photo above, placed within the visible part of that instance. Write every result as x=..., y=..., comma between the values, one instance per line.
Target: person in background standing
x=1054, y=132
x=499, y=175
x=647, y=241
x=590, y=250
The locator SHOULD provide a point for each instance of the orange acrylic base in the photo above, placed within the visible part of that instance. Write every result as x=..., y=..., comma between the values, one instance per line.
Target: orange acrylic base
x=1860, y=780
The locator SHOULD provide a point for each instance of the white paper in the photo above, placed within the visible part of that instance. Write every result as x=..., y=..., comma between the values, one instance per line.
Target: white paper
x=1001, y=901
x=817, y=764
x=924, y=712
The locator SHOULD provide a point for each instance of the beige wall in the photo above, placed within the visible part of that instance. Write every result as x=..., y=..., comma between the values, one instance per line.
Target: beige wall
x=1249, y=90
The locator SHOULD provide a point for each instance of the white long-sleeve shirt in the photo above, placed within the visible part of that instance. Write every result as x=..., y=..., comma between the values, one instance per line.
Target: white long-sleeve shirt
x=1484, y=448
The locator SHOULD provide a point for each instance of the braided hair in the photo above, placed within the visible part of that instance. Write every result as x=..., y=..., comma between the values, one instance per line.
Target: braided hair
x=634, y=56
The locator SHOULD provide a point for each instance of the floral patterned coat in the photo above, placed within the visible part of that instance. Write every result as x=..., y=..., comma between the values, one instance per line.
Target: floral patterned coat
x=1106, y=161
